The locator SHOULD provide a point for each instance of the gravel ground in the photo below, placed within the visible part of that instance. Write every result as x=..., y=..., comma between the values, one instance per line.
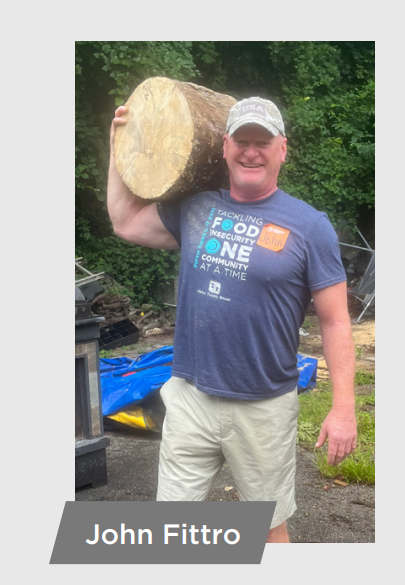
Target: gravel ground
x=335, y=514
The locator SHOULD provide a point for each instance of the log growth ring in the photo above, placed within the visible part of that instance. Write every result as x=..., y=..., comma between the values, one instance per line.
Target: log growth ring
x=154, y=146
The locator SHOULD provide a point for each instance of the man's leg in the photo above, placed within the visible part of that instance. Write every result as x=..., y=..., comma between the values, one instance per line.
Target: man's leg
x=190, y=454
x=260, y=448
x=278, y=534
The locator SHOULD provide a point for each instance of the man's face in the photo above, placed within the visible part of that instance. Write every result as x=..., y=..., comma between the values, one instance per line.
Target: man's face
x=254, y=157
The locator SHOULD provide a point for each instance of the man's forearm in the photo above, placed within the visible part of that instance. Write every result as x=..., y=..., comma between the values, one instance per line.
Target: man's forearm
x=339, y=427
x=122, y=204
x=339, y=355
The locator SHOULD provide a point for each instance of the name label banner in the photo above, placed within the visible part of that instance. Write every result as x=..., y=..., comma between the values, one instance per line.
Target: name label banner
x=162, y=532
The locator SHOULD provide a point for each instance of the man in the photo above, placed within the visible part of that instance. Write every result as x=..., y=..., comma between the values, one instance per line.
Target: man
x=251, y=260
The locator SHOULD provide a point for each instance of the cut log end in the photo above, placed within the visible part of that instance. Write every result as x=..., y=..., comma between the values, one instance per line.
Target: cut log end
x=153, y=148
x=172, y=136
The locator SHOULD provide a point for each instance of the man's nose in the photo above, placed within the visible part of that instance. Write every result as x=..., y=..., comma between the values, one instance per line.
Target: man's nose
x=250, y=151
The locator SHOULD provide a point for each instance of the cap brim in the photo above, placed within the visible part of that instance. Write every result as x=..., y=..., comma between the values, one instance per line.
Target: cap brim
x=260, y=122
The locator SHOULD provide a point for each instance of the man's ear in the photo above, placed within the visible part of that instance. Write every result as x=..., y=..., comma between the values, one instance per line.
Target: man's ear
x=284, y=150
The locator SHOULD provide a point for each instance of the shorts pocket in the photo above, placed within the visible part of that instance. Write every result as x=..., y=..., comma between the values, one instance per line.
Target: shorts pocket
x=165, y=390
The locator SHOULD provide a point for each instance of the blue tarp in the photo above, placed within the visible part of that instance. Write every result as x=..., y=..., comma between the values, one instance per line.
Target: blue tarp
x=307, y=368
x=125, y=382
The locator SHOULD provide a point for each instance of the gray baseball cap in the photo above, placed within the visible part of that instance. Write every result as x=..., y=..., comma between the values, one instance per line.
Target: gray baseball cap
x=255, y=110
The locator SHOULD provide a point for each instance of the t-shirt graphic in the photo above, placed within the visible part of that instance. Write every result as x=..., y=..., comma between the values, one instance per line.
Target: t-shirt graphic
x=227, y=243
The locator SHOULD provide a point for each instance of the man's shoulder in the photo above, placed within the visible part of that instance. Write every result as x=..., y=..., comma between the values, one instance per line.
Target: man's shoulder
x=299, y=215
x=199, y=196
x=214, y=194
x=203, y=199
x=300, y=206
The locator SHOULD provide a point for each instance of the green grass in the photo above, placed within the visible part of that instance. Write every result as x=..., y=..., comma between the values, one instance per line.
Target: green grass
x=362, y=378
x=309, y=322
x=118, y=351
x=358, y=467
x=106, y=353
x=122, y=351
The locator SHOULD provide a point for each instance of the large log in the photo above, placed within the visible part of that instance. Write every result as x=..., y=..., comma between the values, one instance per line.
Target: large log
x=171, y=145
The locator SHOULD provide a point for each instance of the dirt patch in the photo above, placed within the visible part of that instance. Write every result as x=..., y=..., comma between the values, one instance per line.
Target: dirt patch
x=363, y=336
x=326, y=512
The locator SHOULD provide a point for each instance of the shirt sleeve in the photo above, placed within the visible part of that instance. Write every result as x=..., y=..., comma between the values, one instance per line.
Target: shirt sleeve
x=324, y=263
x=170, y=213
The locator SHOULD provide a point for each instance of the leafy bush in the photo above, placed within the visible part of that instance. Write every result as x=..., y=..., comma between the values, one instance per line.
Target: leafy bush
x=138, y=270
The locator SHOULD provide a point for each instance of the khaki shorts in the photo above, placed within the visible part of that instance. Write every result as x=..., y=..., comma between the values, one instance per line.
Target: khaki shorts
x=256, y=438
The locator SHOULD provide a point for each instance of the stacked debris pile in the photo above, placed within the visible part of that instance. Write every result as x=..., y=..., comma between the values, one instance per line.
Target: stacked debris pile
x=112, y=307
x=122, y=318
x=148, y=319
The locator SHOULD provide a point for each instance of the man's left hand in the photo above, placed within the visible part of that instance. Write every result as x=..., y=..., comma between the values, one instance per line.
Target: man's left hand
x=340, y=429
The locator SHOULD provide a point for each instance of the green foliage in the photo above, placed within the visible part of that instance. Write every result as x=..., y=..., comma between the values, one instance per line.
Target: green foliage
x=107, y=72
x=325, y=90
x=138, y=270
x=328, y=89
x=129, y=63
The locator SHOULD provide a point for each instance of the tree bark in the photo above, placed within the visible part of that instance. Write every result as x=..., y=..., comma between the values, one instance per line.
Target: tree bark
x=171, y=145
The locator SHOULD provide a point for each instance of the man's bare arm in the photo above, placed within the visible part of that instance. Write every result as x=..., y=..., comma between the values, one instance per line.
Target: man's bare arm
x=340, y=424
x=133, y=219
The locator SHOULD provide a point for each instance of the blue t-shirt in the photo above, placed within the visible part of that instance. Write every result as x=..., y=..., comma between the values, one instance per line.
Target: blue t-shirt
x=246, y=272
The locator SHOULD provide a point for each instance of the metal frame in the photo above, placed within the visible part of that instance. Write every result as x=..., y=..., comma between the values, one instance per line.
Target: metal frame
x=368, y=298
x=90, y=278
x=372, y=296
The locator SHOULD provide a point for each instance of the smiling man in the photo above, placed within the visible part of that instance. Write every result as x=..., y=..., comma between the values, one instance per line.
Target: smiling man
x=255, y=146
x=252, y=258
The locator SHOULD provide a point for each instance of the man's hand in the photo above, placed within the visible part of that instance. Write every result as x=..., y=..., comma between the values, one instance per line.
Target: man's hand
x=340, y=429
x=119, y=120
